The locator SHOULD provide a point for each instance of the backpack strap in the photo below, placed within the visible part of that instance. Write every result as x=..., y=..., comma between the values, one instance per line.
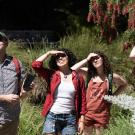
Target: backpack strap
x=87, y=80
x=110, y=79
x=17, y=66
x=18, y=71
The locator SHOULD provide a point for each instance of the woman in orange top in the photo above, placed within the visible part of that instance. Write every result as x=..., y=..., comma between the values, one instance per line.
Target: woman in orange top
x=98, y=110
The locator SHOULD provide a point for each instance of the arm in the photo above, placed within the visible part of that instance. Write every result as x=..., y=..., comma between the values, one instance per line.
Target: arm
x=132, y=54
x=10, y=98
x=120, y=82
x=80, y=64
x=22, y=93
x=45, y=56
x=81, y=124
x=25, y=93
x=82, y=105
x=81, y=70
x=37, y=65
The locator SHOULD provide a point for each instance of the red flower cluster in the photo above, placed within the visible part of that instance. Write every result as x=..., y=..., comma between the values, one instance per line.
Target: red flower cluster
x=106, y=13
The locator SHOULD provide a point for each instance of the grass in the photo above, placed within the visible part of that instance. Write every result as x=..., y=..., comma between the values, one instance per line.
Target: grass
x=81, y=43
x=120, y=123
x=122, y=126
x=30, y=119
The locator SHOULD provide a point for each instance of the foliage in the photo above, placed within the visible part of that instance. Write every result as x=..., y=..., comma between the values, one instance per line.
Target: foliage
x=39, y=93
x=124, y=101
x=81, y=43
x=120, y=126
x=30, y=119
x=129, y=36
x=107, y=14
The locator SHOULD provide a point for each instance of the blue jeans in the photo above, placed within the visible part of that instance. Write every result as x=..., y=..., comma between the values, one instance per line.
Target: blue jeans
x=60, y=123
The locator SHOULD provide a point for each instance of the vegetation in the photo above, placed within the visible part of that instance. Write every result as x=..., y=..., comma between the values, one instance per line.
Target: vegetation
x=112, y=16
x=81, y=43
x=30, y=119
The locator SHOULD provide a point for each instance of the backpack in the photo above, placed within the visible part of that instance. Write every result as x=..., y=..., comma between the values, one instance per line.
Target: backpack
x=18, y=71
x=110, y=79
x=17, y=67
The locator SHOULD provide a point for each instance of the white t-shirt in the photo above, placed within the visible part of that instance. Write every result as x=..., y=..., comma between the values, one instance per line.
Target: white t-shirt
x=64, y=98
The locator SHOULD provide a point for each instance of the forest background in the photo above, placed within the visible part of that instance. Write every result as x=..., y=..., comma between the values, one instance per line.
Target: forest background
x=108, y=26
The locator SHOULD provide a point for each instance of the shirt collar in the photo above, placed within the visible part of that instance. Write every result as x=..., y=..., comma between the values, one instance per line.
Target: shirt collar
x=7, y=59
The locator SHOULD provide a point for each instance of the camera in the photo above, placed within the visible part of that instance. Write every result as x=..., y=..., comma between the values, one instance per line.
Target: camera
x=27, y=82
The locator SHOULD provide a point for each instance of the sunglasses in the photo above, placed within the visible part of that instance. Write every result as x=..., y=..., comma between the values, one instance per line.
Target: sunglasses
x=94, y=58
x=60, y=55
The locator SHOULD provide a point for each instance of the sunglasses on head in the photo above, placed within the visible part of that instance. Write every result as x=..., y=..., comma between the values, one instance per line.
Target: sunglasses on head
x=60, y=55
x=94, y=58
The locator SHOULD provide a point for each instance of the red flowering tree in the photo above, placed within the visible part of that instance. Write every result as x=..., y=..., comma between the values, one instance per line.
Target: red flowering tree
x=106, y=13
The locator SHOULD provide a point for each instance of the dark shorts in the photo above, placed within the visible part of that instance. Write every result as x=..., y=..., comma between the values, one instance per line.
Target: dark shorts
x=60, y=123
x=10, y=128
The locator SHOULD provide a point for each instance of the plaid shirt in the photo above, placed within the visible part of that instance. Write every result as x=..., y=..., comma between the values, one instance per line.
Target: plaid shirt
x=9, y=85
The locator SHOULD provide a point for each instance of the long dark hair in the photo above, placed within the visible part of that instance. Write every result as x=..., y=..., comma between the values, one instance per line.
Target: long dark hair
x=71, y=59
x=92, y=72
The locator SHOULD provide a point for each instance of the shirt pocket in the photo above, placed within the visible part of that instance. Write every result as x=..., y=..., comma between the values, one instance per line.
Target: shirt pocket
x=10, y=79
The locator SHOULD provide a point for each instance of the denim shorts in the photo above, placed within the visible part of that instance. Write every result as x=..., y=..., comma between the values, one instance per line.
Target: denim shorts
x=60, y=123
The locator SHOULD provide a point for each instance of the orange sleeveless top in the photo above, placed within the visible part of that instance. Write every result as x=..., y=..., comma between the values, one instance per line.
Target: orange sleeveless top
x=97, y=107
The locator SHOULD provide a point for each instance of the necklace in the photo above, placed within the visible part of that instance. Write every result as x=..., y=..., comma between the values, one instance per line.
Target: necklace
x=65, y=76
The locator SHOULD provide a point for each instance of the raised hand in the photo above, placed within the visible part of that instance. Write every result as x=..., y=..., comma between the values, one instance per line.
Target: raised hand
x=90, y=56
x=80, y=128
x=45, y=56
x=55, y=52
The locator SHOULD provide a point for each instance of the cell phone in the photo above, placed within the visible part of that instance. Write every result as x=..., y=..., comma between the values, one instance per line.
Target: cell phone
x=27, y=82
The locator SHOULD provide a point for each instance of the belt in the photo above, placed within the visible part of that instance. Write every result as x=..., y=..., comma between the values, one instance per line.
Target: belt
x=72, y=112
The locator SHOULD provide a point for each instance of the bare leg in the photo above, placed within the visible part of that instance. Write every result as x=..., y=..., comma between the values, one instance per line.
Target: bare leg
x=88, y=131
x=99, y=130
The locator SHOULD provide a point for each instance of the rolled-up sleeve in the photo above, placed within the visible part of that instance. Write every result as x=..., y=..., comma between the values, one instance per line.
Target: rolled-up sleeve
x=40, y=70
x=83, y=96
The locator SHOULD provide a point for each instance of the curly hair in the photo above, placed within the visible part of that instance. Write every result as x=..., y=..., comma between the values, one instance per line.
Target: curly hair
x=71, y=59
x=106, y=65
